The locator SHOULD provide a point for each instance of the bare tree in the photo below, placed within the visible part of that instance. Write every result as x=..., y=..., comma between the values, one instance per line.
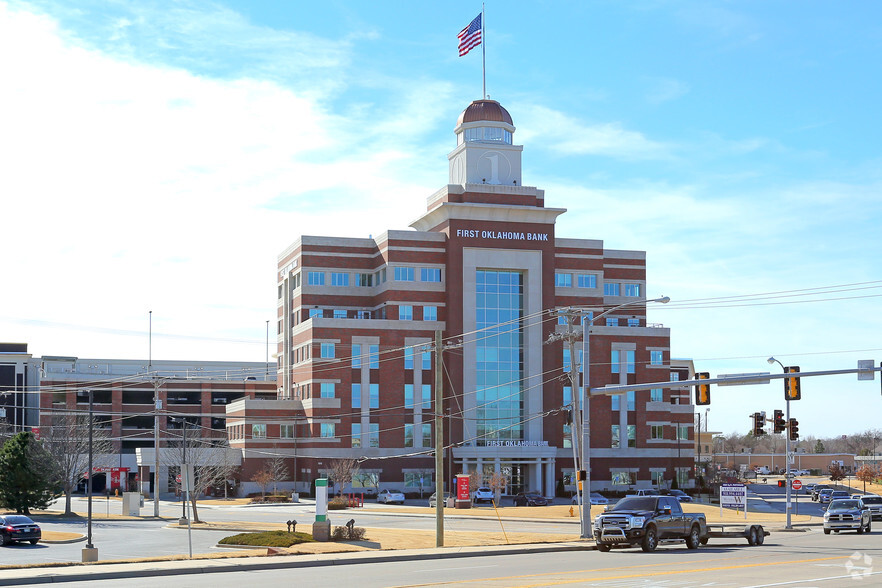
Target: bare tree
x=66, y=441
x=836, y=472
x=263, y=478
x=342, y=472
x=211, y=464
x=867, y=473
x=497, y=483
x=277, y=470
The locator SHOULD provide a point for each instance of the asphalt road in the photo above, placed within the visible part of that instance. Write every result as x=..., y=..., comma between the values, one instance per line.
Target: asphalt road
x=786, y=559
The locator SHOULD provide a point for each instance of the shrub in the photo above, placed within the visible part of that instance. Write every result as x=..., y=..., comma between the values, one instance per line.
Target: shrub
x=268, y=539
x=338, y=503
x=344, y=534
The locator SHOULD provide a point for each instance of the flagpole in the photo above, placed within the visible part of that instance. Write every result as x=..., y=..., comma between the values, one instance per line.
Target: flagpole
x=483, y=51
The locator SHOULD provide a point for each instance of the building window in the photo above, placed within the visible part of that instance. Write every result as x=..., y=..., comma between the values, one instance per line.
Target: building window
x=315, y=312
x=499, y=353
x=408, y=435
x=327, y=430
x=363, y=314
x=562, y=319
x=656, y=395
x=615, y=442
x=612, y=322
x=419, y=480
x=408, y=396
x=374, y=435
x=430, y=313
x=374, y=357
x=327, y=390
x=632, y=435
x=405, y=312
x=356, y=434
x=632, y=290
x=614, y=363
x=623, y=478
x=567, y=360
x=611, y=289
x=682, y=477
x=356, y=396
x=631, y=365
x=327, y=350
x=286, y=431
x=683, y=432
x=656, y=357
x=258, y=431
x=675, y=376
x=427, y=395
x=356, y=355
x=408, y=358
x=427, y=434
x=364, y=280
x=657, y=432
x=630, y=396
x=380, y=277
x=658, y=479
x=374, y=396
x=404, y=274
x=586, y=281
x=339, y=279
x=616, y=402
x=315, y=278
x=339, y=313
x=430, y=274
x=567, y=437
x=633, y=322
x=563, y=280
x=567, y=395
x=427, y=360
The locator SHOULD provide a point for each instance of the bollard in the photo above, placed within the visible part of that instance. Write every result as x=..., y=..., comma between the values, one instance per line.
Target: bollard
x=350, y=525
x=289, y=526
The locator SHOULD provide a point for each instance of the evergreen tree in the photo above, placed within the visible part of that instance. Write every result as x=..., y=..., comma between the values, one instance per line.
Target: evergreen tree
x=26, y=481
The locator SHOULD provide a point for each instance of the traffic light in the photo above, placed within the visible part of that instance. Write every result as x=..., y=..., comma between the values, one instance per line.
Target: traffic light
x=780, y=425
x=794, y=429
x=791, y=385
x=582, y=475
x=702, y=391
x=759, y=421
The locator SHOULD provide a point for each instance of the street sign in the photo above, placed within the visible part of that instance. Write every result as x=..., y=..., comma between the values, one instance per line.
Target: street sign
x=796, y=484
x=178, y=478
x=868, y=365
x=739, y=379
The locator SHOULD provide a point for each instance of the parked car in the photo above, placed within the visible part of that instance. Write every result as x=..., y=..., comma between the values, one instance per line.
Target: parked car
x=483, y=494
x=680, y=495
x=847, y=515
x=386, y=496
x=529, y=499
x=19, y=528
x=874, y=505
x=595, y=497
x=432, y=499
x=643, y=492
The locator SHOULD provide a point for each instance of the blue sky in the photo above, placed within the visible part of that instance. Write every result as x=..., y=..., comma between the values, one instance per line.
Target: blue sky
x=159, y=155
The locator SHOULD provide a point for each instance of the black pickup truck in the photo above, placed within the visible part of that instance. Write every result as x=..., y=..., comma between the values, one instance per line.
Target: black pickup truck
x=646, y=520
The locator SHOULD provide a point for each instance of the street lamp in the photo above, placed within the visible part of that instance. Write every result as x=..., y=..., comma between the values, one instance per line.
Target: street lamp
x=585, y=445
x=788, y=526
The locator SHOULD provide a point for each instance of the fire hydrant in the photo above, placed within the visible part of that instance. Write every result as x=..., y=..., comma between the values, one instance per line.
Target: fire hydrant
x=572, y=514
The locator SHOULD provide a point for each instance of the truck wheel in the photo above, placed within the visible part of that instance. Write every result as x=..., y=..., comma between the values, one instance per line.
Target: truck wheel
x=603, y=547
x=694, y=538
x=760, y=535
x=751, y=536
x=650, y=540
x=869, y=525
x=704, y=540
x=826, y=531
x=860, y=529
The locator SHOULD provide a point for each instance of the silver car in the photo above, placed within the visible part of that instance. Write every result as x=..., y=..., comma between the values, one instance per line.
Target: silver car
x=847, y=514
x=387, y=496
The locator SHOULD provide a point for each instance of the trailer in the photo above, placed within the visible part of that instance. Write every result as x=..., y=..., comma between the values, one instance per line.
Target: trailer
x=752, y=532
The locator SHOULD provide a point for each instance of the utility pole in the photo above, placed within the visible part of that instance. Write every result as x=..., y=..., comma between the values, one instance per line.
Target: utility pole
x=439, y=445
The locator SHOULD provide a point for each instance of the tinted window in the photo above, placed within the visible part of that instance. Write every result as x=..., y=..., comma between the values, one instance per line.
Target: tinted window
x=638, y=503
x=872, y=500
x=18, y=520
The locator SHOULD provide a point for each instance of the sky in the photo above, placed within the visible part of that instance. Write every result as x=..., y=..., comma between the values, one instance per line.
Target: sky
x=158, y=156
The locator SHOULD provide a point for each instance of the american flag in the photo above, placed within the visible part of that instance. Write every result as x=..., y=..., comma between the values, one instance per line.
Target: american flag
x=470, y=37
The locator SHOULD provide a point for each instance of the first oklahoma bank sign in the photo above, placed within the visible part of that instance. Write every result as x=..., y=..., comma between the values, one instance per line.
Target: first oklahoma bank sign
x=507, y=235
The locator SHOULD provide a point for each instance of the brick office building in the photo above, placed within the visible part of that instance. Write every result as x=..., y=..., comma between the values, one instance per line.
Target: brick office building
x=484, y=265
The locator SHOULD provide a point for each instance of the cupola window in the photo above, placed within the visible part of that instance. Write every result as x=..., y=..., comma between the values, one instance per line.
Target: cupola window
x=494, y=134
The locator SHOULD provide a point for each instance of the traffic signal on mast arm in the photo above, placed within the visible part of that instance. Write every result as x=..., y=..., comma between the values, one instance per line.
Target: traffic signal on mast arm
x=793, y=425
x=702, y=391
x=791, y=385
x=778, y=419
x=759, y=421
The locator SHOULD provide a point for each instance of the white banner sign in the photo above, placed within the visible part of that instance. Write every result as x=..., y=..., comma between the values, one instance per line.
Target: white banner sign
x=733, y=495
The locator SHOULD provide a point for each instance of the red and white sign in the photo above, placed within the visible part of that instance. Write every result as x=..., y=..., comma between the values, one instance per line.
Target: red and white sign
x=36, y=432
x=462, y=488
x=796, y=484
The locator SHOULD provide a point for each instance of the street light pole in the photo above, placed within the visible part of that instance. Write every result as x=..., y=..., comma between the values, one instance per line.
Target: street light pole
x=585, y=393
x=787, y=526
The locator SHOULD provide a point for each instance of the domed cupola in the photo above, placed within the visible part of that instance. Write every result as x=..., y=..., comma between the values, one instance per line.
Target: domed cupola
x=484, y=151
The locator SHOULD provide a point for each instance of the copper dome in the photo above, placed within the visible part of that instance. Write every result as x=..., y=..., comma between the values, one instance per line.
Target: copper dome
x=484, y=110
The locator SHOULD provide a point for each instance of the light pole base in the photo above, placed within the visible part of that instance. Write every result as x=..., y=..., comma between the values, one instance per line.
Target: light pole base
x=90, y=554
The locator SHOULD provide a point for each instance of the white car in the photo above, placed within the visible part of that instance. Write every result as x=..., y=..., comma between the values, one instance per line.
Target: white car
x=387, y=496
x=596, y=498
x=483, y=494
